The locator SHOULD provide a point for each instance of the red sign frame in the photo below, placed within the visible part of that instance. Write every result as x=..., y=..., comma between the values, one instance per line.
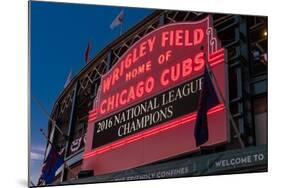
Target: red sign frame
x=178, y=51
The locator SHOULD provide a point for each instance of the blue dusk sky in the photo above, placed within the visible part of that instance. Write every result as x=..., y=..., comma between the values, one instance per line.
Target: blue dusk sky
x=60, y=33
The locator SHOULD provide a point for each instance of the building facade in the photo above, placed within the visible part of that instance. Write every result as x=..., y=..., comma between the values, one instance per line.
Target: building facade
x=244, y=38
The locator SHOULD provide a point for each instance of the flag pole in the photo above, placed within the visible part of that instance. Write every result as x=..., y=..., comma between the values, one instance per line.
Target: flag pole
x=87, y=52
x=88, y=59
x=47, y=114
x=68, y=78
x=64, y=162
x=214, y=80
x=121, y=29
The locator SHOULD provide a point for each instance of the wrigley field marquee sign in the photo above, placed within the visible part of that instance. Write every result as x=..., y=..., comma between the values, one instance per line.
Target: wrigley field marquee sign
x=146, y=105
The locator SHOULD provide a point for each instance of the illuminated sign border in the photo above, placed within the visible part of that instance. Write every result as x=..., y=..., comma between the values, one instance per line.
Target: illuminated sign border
x=215, y=57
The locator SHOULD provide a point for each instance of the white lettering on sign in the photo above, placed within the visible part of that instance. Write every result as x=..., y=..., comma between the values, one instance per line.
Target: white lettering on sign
x=239, y=160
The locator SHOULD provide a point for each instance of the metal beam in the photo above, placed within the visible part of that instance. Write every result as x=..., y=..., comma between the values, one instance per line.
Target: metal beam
x=70, y=129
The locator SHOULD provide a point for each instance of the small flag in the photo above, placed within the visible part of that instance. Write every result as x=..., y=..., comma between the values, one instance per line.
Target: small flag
x=208, y=99
x=69, y=78
x=263, y=58
x=53, y=162
x=256, y=55
x=259, y=57
x=118, y=20
x=87, y=52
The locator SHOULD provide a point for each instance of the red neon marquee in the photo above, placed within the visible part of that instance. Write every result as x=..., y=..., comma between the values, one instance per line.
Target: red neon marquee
x=164, y=59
